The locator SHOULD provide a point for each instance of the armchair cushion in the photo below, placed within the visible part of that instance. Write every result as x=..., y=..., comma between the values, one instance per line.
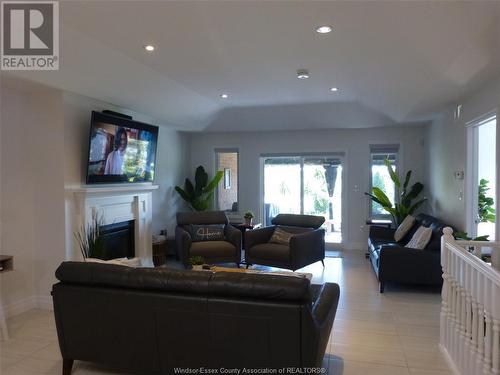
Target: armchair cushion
x=209, y=232
x=271, y=251
x=212, y=249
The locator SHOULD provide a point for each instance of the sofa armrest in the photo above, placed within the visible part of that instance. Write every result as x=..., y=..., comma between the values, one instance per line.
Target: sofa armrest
x=317, y=324
x=183, y=243
x=308, y=245
x=257, y=236
x=325, y=305
x=381, y=232
x=233, y=235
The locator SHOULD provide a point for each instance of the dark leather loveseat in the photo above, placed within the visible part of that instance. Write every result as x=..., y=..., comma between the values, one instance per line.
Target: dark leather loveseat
x=151, y=321
x=393, y=262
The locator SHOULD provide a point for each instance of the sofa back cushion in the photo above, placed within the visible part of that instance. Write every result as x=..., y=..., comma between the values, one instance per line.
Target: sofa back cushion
x=243, y=285
x=305, y=221
x=197, y=218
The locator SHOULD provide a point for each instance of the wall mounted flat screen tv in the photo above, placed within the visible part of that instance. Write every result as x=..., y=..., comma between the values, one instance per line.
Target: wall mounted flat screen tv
x=121, y=150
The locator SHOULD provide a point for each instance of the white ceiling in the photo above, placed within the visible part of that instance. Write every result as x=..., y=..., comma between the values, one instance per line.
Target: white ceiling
x=395, y=62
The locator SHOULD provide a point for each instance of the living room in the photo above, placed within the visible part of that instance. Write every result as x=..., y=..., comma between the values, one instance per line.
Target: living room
x=294, y=90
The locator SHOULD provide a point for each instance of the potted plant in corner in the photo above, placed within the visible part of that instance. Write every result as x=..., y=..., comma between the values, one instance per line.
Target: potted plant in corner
x=199, y=195
x=248, y=216
x=196, y=262
x=398, y=210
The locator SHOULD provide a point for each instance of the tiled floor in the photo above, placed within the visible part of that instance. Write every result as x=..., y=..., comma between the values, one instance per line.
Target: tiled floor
x=395, y=333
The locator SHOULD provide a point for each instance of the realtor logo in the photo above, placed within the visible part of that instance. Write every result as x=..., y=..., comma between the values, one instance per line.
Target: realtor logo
x=30, y=35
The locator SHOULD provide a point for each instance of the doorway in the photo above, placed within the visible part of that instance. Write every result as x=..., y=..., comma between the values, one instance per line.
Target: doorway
x=305, y=184
x=482, y=181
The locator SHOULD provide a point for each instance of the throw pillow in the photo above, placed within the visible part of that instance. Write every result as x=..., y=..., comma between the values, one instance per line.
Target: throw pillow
x=132, y=262
x=403, y=228
x=212, y=232
x=281, y=236
x=420, y=238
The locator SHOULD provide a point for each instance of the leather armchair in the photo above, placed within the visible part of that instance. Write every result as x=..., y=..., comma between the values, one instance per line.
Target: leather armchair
x=307, y=245
x=228, y=250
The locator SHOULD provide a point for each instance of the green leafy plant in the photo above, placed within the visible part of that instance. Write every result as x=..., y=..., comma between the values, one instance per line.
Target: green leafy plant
x=248, y=215
x=405, y=207
x=196, y=260
x=199, y=196
x=461, y=235
x=89, y=238
x=485, y=210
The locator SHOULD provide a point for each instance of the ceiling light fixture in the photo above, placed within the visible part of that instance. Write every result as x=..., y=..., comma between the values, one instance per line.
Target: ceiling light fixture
x=224, y=96
x=149, y=47
x=324, y=29
x=302, y=74
x=334, y=89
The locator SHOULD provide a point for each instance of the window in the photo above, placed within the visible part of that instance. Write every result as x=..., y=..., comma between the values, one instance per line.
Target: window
x=379, y=176
x=227, y=192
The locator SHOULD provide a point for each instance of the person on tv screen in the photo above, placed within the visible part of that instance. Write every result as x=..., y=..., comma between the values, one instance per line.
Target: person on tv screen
x=114, y=161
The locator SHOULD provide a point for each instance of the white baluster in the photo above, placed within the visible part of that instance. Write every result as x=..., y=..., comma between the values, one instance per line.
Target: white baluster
x=480, y=333
x=495, y=354
x=487, y=342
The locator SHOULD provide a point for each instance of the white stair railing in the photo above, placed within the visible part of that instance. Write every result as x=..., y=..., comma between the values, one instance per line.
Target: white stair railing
x=470, y=309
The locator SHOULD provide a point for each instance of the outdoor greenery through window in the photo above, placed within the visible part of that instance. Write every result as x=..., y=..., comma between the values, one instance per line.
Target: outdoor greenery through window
x=380, y=176
x=305, y=184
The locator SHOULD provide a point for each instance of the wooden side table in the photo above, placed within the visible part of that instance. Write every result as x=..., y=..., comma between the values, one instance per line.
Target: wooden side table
x=6, y=264
x=160, y=249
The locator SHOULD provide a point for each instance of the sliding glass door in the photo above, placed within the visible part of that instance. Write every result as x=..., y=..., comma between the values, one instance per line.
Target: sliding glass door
x=309, y=184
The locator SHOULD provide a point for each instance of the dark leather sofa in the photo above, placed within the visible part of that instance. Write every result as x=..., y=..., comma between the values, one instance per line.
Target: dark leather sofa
x=228, y=250
x=307, y=246
x=152, y=320
x=393, y=262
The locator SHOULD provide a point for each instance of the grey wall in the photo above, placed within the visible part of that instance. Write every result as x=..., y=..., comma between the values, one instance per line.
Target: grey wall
x=354, y=142
x=447, y=139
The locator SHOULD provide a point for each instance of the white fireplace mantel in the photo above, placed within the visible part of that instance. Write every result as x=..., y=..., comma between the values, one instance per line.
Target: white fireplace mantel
x=114, y=204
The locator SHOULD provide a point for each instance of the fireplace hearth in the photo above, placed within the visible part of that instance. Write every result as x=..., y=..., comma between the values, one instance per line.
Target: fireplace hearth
x=119, y=240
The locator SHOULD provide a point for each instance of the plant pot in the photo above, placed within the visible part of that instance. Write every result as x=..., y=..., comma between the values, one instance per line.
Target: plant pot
x=248, y=221
x=197, y=267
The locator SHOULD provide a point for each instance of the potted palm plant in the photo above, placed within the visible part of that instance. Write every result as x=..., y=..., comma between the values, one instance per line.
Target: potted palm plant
x=407, y=194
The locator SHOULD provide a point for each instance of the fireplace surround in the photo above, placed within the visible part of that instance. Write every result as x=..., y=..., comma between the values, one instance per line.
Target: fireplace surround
x=130, y=204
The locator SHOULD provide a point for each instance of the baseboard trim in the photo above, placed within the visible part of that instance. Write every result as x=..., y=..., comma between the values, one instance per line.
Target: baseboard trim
x=45, y=302
x=357, y=246
x=19, y=307
x=26, y=304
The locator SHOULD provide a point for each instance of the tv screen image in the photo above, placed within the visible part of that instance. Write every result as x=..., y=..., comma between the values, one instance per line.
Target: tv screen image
x=121, y=150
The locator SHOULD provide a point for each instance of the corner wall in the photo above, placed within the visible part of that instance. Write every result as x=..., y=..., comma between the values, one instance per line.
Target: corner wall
x=447, y=139
x=44, y=144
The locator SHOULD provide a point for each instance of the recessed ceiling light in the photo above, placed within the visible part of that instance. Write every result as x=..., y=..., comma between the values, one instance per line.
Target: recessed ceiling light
x=334, y=89
x=302, y=74
x=224, y=96
x=324, y=29
x=149, y=47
